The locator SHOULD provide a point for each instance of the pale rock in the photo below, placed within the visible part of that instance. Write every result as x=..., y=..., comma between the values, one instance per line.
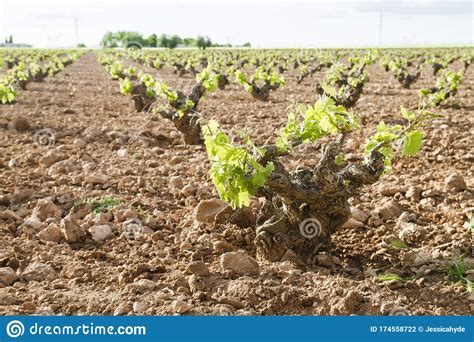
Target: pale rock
x=51, y=233
x=359, y=215
x=39, y=272
x=431, y=193
x=198, y=268
x=89, y=166
x=391, y=189
x=176, y=182
x=122, y=309
x=180, y=306
x=407, y=229
x=405, y=217
x=139, y=307
x=422, y=257
x=33, y=223
x=413, y=194
x=51, y=157
x=62, y=167
x=96, y=178
x=326, y=260
x=46, y=209
x=122, y=153
x=240, y=262
x=143, y=285
x=389, y=211
x=100, y=233
x=9, y=299
x=455, y=182
x=207, y=210
x=71, y=229
x=223, y=310
x=188, y=190
x=133, y=228
x=7, y=276
x=352, y=223
x=10, y=214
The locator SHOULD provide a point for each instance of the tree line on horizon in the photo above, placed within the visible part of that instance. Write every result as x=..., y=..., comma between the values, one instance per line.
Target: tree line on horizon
x=123, y=38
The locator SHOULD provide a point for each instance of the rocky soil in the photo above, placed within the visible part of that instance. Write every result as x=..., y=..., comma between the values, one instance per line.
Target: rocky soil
x=104, y=212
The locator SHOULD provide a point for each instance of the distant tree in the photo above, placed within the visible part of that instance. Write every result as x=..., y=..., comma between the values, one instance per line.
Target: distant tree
x=152, y=40
x=123, y=38
x=109, y=40
x=81, y=45
x=189, y=42
x=203, y=42
x=169, y=42
x=175, y=40
x=247, y=45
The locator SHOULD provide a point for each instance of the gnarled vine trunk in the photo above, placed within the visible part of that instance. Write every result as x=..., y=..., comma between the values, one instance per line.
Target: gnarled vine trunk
x=304, y=208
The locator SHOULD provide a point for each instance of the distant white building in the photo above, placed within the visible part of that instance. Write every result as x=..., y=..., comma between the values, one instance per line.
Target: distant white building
x=15, y=45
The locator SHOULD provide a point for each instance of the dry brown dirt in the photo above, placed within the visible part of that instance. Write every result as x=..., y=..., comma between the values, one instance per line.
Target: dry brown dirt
x=175, y=267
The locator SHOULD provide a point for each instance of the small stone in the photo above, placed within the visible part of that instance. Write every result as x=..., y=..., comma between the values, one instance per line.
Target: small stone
x=7, y=276
x=223, y=310
x=359, y=215
x=71, y=229
x=180, y=306
x=9, y=299
x=39, y=272
x=240, y=262
x=51, y=157
x=408, y=229
x=96, y=178
x=455, y=182
x=325, y=260
x=100, y=233
x=222, y=246
x=122, y=153
x=62, y=167
x=122, y=309
x=207, y=210
x=139, y=307
x=352, y=223
x=188, y=190
x=198, y=268
x=143, y=285
x=413, y=194
x=422, y=257
x=176, y=182
x=10, y=214
x=389, y=210
x=32, y=223
x=29, y=307
x=46, y=209
x=431, y=193
x=390, y=189
x=51, y=233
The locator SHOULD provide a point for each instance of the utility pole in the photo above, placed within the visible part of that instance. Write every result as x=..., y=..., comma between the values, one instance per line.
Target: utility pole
x=76, y=30
x=381, y=29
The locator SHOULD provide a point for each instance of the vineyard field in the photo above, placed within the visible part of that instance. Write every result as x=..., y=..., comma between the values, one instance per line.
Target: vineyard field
x=110, y=165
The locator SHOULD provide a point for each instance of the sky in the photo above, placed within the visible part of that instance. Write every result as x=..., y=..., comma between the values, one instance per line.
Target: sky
x=263, y=23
